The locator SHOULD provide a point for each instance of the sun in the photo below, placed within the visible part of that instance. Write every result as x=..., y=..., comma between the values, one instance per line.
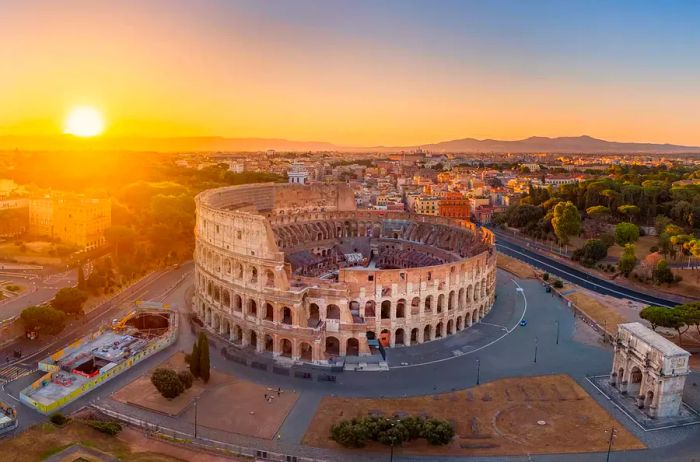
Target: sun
x=84, y=121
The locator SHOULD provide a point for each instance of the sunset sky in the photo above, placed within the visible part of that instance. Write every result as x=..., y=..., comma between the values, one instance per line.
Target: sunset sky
x=355, y=73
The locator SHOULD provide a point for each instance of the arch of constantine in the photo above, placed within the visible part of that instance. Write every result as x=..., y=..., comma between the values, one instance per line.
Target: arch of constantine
x=298, y=272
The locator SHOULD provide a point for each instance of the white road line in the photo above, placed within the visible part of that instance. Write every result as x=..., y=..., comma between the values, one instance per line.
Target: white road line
x=522, y=316
x=622, y=295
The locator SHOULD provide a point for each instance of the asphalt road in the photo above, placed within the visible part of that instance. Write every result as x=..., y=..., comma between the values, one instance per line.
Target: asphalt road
x=38, y=288
x=577, y=276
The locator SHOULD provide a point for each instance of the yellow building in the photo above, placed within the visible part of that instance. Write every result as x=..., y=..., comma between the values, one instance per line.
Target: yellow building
x=73, y=219
x=426, y=205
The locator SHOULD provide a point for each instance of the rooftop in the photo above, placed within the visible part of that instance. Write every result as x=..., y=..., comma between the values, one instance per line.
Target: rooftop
x=653, y=339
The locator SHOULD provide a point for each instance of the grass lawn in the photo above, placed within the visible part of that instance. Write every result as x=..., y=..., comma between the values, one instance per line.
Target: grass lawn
x=35, y=252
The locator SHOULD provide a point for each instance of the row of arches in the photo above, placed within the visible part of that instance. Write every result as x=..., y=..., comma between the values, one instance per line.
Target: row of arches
x=234, y=270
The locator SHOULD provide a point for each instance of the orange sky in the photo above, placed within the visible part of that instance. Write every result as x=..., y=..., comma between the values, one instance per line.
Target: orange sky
x=164, y=69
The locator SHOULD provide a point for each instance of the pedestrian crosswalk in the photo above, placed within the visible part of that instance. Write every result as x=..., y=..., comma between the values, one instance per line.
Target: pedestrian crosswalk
x=10, y=373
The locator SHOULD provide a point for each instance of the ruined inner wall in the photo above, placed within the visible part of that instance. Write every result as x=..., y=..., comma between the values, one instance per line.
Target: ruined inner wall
x=245, y=291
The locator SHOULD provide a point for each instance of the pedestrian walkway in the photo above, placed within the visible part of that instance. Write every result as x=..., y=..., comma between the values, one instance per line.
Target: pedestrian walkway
x=10, y=373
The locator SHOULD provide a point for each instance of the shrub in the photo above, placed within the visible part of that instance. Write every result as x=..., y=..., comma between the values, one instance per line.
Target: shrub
x=654, y=248
x=12, y=287
x=626, y=233
x=186, y=378
x=355, y=433
x=592, y=252
x=558, y=284
x=58, y=419
x=110, y=428
x=438, y=432
x=167, y=382
x=607, y=239
x=545, y=276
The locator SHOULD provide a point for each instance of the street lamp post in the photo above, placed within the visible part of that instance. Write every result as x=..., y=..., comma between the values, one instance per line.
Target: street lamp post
x=195, y=418
x=613, y=433
x=557, y=321
x=535, y=350
x=478, y=370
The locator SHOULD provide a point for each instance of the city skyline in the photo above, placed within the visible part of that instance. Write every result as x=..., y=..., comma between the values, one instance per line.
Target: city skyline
x=359, y=74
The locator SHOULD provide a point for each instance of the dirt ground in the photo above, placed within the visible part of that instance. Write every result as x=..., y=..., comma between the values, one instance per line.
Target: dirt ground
x=498, y=418
x=44, y=440
x=225, y=403
x=514, y=266
x=140, y=444
x=240, y=407
x=142, y=393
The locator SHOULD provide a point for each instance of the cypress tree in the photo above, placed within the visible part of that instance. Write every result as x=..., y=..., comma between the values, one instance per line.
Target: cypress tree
x=194, y=360
x=203, y=357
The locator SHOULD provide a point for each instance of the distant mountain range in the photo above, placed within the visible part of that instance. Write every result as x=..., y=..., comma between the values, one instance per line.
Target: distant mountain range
x=564, y=145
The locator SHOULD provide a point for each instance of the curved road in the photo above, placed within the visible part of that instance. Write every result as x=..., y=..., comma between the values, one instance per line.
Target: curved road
x=577, y=276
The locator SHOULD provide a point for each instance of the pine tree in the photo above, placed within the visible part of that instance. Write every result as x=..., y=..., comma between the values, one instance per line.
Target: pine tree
x=194, y=360
x=203, y=348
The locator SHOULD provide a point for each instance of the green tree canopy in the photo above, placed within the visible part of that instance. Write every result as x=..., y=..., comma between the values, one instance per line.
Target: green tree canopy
x=628, y=260
x=626, y=233
x=43, y=318
x=566, y=221
x=70, y=300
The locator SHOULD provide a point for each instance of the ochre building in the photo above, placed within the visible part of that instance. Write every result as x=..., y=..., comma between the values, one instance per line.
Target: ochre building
x=298, y=272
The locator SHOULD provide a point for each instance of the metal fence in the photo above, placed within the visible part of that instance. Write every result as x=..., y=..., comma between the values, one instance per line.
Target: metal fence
x=178, y=437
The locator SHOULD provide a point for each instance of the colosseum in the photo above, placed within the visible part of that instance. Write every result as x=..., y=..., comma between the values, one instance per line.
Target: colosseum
x=301, y=273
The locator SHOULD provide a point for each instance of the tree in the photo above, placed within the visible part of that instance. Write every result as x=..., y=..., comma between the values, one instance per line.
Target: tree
x=566, y=221
x=626, y=233
x=44, y=319
x=629, y=210
x=186, y=378
x=194, y=360
x=692, y=315
x=70, y=300
x=203, y=348
x=438, y=432
x=591, y=253
x=662, y=273
x=627, y=260
x=121, y=238
x=167, y=382
x=598, y=212
x=655, y=315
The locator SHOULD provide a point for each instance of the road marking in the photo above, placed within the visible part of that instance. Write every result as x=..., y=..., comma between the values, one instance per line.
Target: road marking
x=622, y=295
x=522, y=316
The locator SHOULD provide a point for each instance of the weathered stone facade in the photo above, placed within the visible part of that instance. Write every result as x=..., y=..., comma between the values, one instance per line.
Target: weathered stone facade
x=650, y=369
x=270, y=272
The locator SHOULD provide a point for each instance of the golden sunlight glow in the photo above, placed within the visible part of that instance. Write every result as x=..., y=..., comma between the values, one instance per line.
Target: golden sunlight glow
x=84, y=121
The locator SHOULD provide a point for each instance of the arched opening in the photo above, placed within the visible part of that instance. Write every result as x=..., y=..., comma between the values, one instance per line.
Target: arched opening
x=428, y=308
x=451, y=301
x=332, y=312
x=470, y=290
x=369, y=309
x=386, y=309
x=237, y=302
x=252, y=307
x=398, y=337
x=414, y=336
x=286, y=315
x=635, y=382
x=352, y=347
x=226, y=299
x=269, y=278
x=475, y=316
x=450, y=327
x=314, y=316
x=215, y=324
x=476, y=291
x=239, y=271
x=371, y=335
x=460, y=299
x=649, y=400
x=415, y=306
x=332, y=346
x=481, y=312
x=237, y=334
x=354, y=308
x=217, y=296
x=459, y=323
x=438, y=330
x=306, y=351
x=286, y=348
x=269, y=312
x=427, y=331
x=254, y=275
x=253, y=339
x=385, y=337
x=440, y=304
x=269, y=343
x=400, y=308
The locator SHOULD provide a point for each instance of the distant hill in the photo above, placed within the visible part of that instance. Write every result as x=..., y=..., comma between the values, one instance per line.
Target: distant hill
x=565, y=145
